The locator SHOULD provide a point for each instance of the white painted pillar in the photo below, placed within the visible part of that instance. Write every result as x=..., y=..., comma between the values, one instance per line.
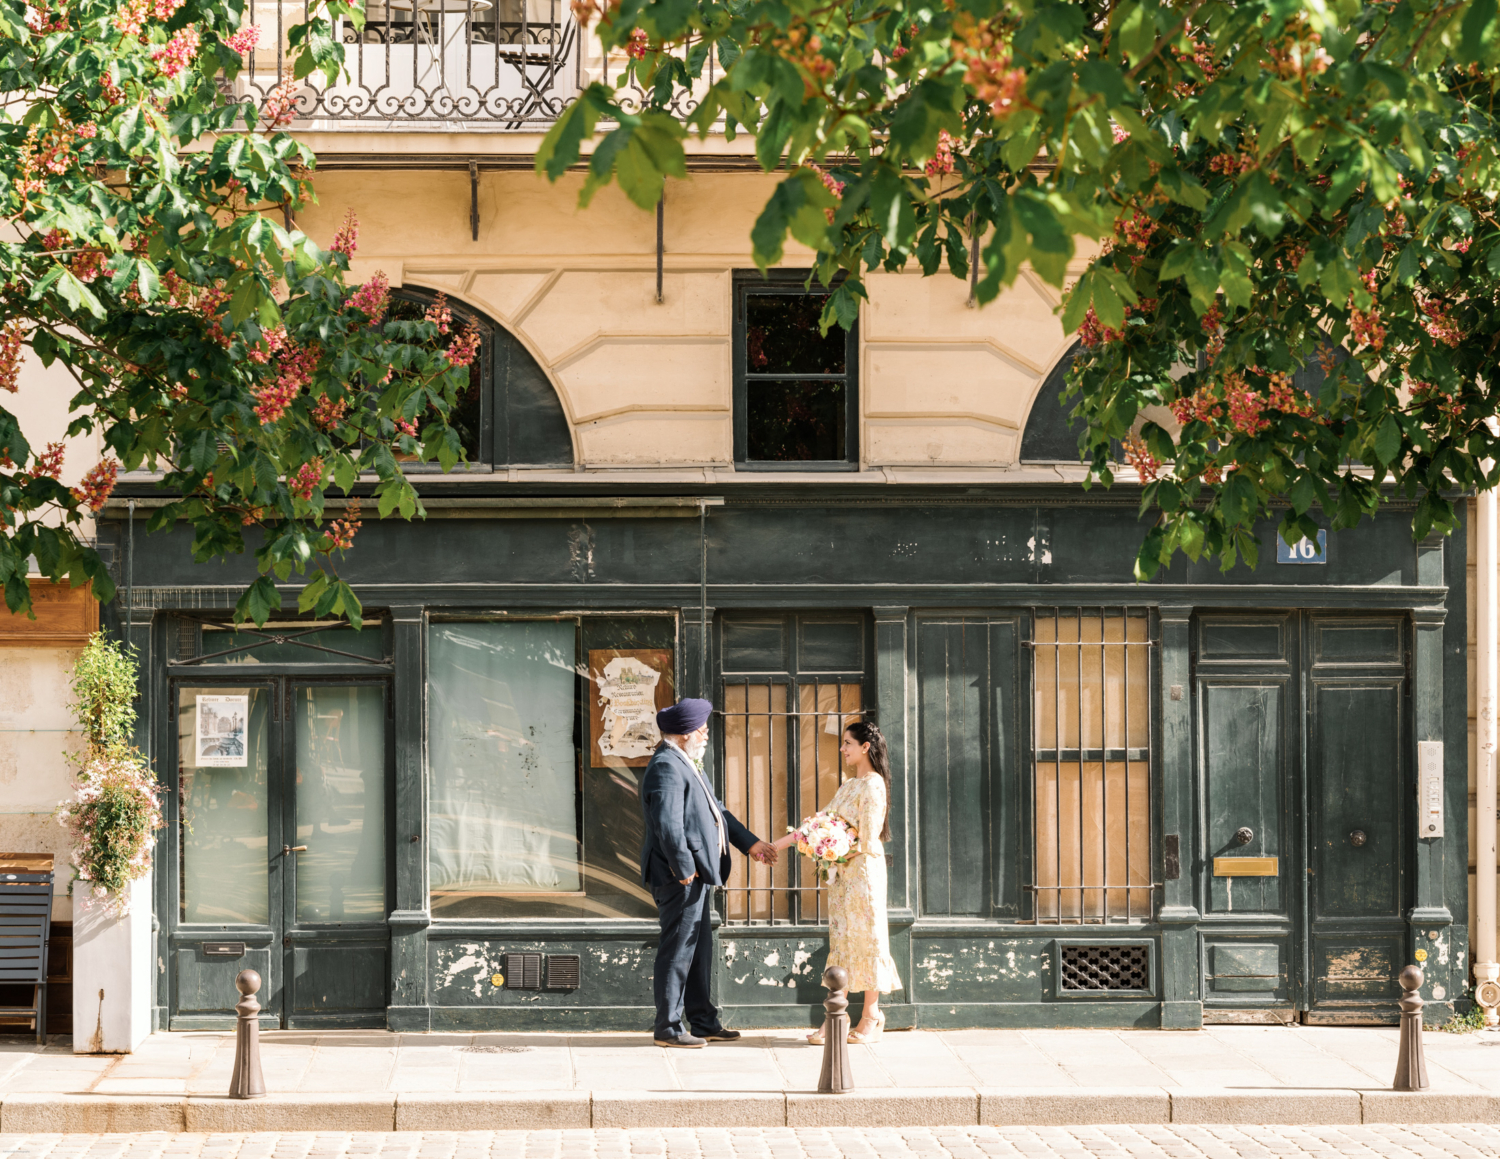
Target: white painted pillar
x=112, y=972
x=1487, y=583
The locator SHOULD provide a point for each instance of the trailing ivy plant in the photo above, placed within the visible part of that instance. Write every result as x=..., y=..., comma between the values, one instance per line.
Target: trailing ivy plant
x=1277, y=186
x=115, y=811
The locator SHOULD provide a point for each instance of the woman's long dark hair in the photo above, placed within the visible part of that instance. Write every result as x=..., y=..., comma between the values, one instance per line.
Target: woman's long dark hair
x=868, y=732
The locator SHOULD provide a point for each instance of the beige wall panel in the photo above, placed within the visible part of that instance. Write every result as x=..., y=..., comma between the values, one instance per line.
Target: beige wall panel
x=915, y=443
x=617, y=376
x=712, y=213
x=503, y=294
x=34, y=691
x=450, y=281
x=520, y=213
x=40, y=833
x=957, y=380
x=584, y=304
x=656, y=440
x=911, y=307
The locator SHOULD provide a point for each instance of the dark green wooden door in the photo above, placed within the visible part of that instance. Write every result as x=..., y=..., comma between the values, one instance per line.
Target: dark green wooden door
x=1302, y=763
x=284, y=789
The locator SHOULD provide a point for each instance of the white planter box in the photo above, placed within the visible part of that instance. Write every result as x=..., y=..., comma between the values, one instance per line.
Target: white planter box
x=112, y=972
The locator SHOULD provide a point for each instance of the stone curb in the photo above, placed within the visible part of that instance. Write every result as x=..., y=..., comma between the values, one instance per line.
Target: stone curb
x=41, y=1113
x=689, y=1109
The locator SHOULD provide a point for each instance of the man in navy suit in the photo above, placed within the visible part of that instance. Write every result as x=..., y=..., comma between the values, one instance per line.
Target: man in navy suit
x=686, y=854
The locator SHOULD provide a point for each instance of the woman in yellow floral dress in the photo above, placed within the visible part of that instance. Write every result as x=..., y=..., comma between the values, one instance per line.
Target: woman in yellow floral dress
x=858, y=930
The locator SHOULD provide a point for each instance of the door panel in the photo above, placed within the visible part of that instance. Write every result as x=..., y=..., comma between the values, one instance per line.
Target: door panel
x=1243, y=753
x=1356, y=748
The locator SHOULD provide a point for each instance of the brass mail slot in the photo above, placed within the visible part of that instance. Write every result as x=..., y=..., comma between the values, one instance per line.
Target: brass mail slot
x=1246, y=866
x=224, y=949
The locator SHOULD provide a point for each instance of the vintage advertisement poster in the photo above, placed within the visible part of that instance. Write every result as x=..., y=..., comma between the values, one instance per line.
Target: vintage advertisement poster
x=630, y=685
x=219, y=725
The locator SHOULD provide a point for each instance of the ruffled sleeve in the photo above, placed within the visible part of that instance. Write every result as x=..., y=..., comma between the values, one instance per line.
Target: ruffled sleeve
x=871, y=819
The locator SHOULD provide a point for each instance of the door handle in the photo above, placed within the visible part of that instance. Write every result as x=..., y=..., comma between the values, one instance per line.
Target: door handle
x=1244, y=835
x=287, y=850
x=1357, y=838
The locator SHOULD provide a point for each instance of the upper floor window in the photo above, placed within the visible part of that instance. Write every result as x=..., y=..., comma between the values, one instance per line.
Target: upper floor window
x=796, y=399
x=509, y=413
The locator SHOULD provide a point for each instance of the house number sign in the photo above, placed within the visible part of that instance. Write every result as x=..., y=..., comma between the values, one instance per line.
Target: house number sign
x=1430, y=788
x=1304, y=550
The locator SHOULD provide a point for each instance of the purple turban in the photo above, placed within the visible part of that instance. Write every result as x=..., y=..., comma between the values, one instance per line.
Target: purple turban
x=684, y=717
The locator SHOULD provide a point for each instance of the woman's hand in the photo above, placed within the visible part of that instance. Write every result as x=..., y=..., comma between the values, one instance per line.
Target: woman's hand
x=785, y=843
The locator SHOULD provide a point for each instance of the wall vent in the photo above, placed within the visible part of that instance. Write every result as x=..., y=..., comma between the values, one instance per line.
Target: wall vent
x=1107, y=967
x=522, y=971
x=563, y=971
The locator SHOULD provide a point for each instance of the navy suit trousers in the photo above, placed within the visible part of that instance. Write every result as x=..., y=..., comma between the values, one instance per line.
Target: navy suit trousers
x=684, y=959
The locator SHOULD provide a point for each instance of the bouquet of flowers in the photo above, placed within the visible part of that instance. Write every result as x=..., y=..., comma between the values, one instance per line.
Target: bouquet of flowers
x=829, y=840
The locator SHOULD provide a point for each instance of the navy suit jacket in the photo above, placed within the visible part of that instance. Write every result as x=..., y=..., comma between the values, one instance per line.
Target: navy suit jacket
x=681, y=838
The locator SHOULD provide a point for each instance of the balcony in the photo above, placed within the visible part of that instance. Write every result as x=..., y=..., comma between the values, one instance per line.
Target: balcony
x=438, y=64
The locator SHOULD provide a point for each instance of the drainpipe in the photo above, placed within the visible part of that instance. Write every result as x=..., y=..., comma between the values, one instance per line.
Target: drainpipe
x=1486, y=968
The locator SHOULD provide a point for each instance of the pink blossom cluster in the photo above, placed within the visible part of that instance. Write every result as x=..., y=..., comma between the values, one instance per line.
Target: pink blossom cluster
x=306, y=477
x=1092, y=332
x=1367, y=329
x=1439, y=323
x=328, y=412
x=49, y=464
x=373, y=298
x=465, y=346
x=244, y=41
x=1245, y=405
x=11, y=339
x=439, y=314
x=294, y=370
x=1200, y=406
x=1146, y=465
x=40, y=23
x=942, y=159
x=1286, y=398
x=406, y=429
x=88, y=264
x=133, y=16
x=347, y=238
x=636, y=47
x=177, y=53
x=342, y=531
x=1136, y=228
x=280, y=107
x=96, y=486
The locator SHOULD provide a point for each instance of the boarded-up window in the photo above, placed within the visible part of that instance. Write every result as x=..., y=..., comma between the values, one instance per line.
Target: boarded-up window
x=781, y=746
x=1091, y=735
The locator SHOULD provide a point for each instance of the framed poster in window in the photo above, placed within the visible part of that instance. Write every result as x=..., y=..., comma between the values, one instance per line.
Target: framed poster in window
x=627, y=687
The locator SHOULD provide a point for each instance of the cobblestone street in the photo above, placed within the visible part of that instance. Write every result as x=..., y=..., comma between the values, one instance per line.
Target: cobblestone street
x=1115, y=1142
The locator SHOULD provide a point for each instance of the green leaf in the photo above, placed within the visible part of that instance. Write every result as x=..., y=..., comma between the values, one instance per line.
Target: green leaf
x=1387, y=444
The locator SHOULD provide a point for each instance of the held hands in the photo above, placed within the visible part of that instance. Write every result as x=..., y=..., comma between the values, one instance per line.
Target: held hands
x=764, y=853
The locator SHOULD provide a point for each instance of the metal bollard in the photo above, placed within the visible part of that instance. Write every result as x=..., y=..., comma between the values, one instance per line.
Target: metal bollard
x=1411, y=1067
x=836, y=1077
x=247, y=1081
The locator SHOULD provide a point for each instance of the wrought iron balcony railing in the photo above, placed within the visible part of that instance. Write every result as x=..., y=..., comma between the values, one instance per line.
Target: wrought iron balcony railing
x=442, y=64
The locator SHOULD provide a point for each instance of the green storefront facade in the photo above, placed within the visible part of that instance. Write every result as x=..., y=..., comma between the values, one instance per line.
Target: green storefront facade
x=1114, y=804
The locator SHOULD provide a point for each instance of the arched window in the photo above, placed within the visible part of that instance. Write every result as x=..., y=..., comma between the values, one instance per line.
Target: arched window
x=1048, y=437
x=510, y=416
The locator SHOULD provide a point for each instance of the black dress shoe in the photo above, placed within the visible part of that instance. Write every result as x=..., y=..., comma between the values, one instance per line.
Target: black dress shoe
x=722, y=1036
x=681, y=1040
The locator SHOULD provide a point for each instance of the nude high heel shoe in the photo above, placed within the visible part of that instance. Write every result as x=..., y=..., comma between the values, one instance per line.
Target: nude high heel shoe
x=872, y=1036
x=816, y=1038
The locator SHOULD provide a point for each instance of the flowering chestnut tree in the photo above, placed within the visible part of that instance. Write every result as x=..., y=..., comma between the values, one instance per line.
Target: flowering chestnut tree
x=149, y=255
x=1292, y=207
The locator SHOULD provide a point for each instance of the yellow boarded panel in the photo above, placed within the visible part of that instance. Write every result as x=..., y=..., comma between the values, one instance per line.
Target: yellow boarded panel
x=64, y=615
x=1246, y=866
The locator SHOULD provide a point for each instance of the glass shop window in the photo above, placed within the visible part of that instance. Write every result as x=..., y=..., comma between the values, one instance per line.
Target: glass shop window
x=280, y=642
x=795, y=390
x=538, y=734
x=1091, y=836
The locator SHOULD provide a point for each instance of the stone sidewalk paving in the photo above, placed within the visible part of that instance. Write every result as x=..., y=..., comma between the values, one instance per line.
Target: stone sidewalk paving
x=356, y=1080
x=1116, y=1142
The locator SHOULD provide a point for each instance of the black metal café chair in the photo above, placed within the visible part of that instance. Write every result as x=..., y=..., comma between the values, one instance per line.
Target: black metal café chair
x=25, y=924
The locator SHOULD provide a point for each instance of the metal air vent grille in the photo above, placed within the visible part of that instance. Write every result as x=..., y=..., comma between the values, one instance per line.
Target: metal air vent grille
x=1107, y=967
x=563, y=971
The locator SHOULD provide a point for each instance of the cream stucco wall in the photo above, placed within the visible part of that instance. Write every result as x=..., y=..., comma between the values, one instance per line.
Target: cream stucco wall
x=649, y=385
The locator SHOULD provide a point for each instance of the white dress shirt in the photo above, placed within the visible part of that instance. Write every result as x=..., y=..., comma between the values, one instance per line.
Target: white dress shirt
x=713, y=802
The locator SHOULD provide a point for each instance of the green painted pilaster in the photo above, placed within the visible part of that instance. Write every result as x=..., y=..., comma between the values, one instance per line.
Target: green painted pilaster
x=1431, y=919
x=895, y=708
x=1182, y=1000
x=409, y=921
x=695, y=667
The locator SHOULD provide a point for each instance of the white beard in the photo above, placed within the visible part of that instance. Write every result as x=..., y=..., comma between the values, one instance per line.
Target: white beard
x=696, y=749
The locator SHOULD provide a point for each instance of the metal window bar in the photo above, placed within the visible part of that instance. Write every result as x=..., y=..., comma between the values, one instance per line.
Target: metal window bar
x=1091, y=765
x=781, y=764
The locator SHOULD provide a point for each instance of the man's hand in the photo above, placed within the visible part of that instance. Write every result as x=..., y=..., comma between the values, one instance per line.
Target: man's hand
x=764, y=853
x=687, y=880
